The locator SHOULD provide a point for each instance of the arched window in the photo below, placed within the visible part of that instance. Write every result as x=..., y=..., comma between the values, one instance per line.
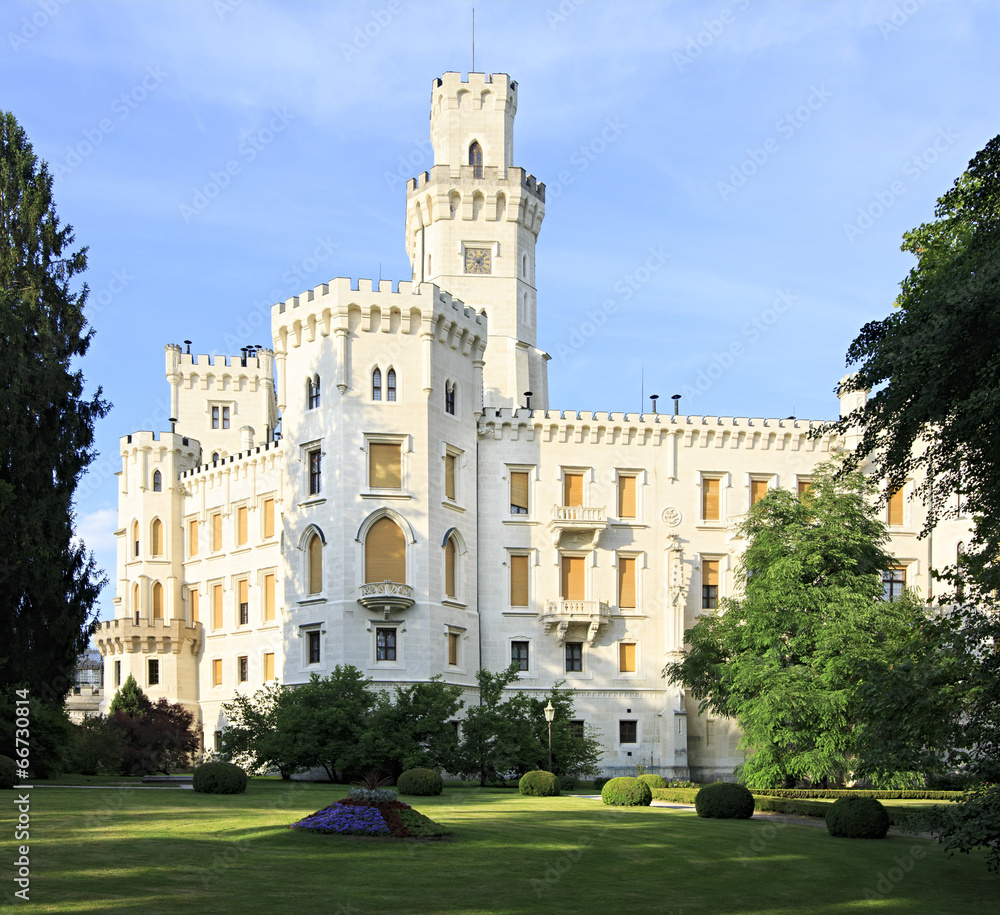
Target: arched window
x=215, y=457
x=450, y=563
x=449, y=398
x=156, y=545
x=390, y=386
x=157, y=601
x=524, y=265
x=135, y=538
x=315, y=555
x=476, y=160
x=385, y=552
x=135, y=600
x=312, y=392
x=157, y=481
x=377, y=384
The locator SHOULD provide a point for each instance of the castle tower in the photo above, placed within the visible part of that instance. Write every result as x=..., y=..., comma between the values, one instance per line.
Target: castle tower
x=471, y=226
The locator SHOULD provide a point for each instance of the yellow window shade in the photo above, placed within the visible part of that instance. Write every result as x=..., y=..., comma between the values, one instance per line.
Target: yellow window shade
x=157, y=601
x=216, y=533
x=758, y=489
x=626, y=658
x=710, y=499
x=243, y=590
x=453, y=649
x=269, y=517
x=192, y=538
x=449, y=567
x=216, y=606
x=315, y=565
x=268, y=665
x=804, y=487
x=449, y=476
x=626, y=497
x=268, y=597
x=519, y=491
x=573, y=489
x=385, y=552
x=217, y=672
x=896, y=509
x=626, y=582
x=194, y=605
x=157, y=545
x=573, y=576
x=710, y=572
x=385, y=470
x=241, y=525
x=519, y=581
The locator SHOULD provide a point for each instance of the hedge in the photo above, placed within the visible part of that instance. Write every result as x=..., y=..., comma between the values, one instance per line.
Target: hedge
x=219, y=778
x=654, y=781
x=676, y=795
x=834, y=793
x=815, y=808
x=539, y=783
x=419, y=782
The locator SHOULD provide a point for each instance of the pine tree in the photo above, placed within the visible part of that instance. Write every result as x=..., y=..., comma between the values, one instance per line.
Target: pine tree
x=130, y=699
x=48, y=582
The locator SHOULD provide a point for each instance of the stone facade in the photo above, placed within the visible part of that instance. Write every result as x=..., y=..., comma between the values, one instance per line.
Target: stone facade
x=415, y=517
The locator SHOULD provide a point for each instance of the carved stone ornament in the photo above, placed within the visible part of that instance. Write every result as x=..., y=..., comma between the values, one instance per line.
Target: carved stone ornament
x=672, y=516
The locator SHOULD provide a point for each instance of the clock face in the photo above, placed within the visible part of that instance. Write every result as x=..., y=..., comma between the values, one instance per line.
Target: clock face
x=478, y=260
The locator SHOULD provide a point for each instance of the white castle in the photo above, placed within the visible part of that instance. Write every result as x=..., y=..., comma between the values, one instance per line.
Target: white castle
x=422, y=512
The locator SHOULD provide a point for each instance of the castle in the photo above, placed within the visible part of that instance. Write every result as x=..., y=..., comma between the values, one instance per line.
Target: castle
x=422, y=512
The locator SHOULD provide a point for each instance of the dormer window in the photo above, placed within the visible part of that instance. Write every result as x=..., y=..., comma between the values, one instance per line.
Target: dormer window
x=476, y=160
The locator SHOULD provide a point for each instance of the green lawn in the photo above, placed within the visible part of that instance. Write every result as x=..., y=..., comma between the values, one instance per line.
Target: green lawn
x=151, y=851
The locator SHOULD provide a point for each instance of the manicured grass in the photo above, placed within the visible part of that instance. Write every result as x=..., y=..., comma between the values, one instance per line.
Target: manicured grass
x=170, y=851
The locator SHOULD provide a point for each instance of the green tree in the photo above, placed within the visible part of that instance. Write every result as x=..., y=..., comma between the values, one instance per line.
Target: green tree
x=49, y=582
x=252, y=739
x=130, y=699
x=786, y=658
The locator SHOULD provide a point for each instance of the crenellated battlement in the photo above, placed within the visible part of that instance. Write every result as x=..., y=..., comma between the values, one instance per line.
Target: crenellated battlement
x=268, y=452
x=159, y=441
x=584, y=427
x=447, y=179
x=450, y=84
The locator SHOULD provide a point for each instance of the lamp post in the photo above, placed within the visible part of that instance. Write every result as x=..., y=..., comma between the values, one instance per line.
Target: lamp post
x=550, y=713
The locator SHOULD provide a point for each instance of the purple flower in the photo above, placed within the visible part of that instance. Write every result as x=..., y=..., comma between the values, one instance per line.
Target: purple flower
x=346, y=820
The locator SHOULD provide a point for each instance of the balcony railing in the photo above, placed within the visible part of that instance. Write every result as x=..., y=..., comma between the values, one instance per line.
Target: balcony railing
x=579, y=514
x=385, y=596
x=560, y=615
x=577, y=526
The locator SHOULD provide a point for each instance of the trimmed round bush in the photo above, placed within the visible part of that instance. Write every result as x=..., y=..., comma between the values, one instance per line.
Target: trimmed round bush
x=626, y=792
x=419, y=782
x=857, y=818
x=654, y=781
x=220, y=778
x=8, y=772
x=539, y=783
x=724, y=801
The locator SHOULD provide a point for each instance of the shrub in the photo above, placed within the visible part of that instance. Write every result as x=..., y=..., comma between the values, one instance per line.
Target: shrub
x=419, y=782
x=372, y=795
x=626, y=792
x=220, y=778
x=724, y=801
x=601, y=781
x=681, y=783
x=675, y=795
x=857, y=818
x=654, y=781
x=8, y=772
x=539, y=783
x=568, y=782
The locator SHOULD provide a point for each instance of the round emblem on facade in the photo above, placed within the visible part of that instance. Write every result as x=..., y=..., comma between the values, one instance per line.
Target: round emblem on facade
x=671, y=516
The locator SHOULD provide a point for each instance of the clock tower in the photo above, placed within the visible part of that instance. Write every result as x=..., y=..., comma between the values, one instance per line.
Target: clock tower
x=471, y=225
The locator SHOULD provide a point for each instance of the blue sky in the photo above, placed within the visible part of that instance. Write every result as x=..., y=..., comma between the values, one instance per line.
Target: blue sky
x=764, y=157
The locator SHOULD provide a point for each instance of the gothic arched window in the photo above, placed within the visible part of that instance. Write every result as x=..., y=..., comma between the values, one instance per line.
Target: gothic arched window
x=449, y=398
x=157, y=481
x=315, y=553
x=476, y=160
x=390, y=386
x=385, y=552
x=377, y=384
x=313, y=392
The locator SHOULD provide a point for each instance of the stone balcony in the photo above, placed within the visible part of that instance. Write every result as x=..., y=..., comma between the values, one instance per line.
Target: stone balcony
x=133, y=636
x=577, y=527
x=385, y=596
x=588, y=617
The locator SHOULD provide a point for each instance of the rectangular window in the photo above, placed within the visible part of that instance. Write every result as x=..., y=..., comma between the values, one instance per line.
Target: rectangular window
x=895, y=509
x=194, y=604
x=519, y=580
x=576, y=729
x=118, y=673
x=385, y=469
x=243, y=599
x=453, y=649
x=626, y=497
x=385, y=644
x=314, y=647
x=574, y=656
x=315, y=472
x=268, y=666
x=217, y=672
x=215, y=417
x=242, y=670
x=269, y=597
x=626, y=658
x=626, y=582
x=192, y=538
x=241, y=525
x=216, y=606
x=573, y=578
x=628, y=731
x=709, y=584
x=225, y=417
x=805, y=487
x=450, y=463
x=709, y=733
x=268, y=518
x=519, y=492
x=216, y=532
x=218, y=740
x=758, y=489
x=710, y=487
x=893, y=583
x=572, y=489
x=519, y=655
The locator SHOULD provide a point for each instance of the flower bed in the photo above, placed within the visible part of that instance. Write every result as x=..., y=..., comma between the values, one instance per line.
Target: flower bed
x=351, y=816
